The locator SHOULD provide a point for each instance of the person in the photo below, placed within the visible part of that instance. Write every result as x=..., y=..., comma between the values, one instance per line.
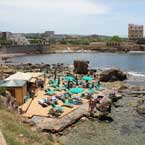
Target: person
x=41, y=84
x=58, y=82
x=32, y=93
x=91, y=106
x=87, y=84
x=76, y=80
x=109, y=108
x=54, y=100
x=99, y=83
x=14, y=106
x=8, y=98
x=68, y=85
x=55, y=74
x=93, y=85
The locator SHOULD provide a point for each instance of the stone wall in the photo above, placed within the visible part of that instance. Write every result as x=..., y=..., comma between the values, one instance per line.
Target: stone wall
x=25, y=49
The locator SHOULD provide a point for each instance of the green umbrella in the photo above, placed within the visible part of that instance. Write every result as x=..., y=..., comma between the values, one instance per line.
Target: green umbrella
x=69, y=78
x=87, y=78
x=76, y=90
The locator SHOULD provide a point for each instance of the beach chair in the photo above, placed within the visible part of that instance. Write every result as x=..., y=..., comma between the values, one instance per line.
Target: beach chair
x=99, y=87
x=50, y=92
x=67, y=103
x=51, y=82
x=56, y=107
x=83, y=95
x=59, y=88
x=90, y=91
x=77, y=101
x=43, y=102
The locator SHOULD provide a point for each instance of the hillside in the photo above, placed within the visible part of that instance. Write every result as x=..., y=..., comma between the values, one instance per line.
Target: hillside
x=17, y=133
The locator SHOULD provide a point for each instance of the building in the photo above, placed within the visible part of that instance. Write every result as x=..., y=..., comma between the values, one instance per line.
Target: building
x=48, y=34
x=19, y=84
x=17, y=88
x=58, y=37
x=18, y=39
x=135, y=32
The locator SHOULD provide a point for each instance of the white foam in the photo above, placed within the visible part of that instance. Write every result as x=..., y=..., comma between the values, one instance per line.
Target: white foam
x=136, y=74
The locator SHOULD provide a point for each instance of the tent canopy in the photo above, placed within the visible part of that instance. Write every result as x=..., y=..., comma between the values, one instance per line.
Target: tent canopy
x=24, y=76
x=19, y=76
x=87, y=78
x=76, y=90
x=69, y=78
x=13, y=83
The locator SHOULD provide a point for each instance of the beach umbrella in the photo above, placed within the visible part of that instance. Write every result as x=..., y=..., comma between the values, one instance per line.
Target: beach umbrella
x=87, y=78
x=76, y=90
x=69, y=78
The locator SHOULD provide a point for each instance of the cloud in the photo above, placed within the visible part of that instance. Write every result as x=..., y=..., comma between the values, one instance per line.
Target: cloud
x=65, y=7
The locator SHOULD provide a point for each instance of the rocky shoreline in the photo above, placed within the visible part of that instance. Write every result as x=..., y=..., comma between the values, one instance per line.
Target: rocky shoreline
x=124, y=126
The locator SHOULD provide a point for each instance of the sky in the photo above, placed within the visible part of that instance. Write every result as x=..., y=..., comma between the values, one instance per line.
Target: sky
x=103, y=17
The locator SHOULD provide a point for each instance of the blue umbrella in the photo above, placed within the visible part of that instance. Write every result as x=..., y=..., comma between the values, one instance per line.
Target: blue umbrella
x=87, y=78
x=76, y=90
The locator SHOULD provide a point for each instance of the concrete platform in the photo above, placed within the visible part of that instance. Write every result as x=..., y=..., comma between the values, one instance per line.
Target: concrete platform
x=59, y=124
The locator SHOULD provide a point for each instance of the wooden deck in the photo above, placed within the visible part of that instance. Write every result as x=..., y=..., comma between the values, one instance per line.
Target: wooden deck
x=35, y=109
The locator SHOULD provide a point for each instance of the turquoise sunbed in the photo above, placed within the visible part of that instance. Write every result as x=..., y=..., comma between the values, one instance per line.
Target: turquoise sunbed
x=56, y=107
x=49, y=92
x=67, y=103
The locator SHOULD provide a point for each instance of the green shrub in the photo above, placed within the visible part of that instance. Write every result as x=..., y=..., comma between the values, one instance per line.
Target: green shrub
x=2, y=91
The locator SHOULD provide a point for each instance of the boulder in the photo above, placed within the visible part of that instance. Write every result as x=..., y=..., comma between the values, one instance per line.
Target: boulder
x=141, y=109
x=81, y=67
x=112, y=75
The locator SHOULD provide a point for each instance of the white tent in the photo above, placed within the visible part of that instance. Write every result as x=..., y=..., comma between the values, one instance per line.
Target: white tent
x=20, y=76
x=13, y=83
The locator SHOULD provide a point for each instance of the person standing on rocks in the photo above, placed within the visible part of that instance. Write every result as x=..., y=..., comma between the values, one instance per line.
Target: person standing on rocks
x=91, y=106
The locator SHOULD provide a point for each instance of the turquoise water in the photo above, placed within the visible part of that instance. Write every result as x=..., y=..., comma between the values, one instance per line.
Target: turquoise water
x=126, y=62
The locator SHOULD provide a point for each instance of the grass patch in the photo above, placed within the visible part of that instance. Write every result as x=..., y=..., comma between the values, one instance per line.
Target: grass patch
x=17, y=133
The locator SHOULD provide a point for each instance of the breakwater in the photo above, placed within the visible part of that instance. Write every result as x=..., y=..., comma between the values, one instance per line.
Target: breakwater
x=27, y=49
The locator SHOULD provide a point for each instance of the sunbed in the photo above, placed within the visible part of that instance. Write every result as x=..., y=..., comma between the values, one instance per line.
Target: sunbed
x=56, y=107
x=50, y=92
x=67, y=103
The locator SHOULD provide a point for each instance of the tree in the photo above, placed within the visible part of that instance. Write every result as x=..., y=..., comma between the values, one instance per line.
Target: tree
x=116, y=39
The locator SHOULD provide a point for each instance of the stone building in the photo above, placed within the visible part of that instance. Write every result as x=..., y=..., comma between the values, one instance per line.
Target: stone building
x=135, y=32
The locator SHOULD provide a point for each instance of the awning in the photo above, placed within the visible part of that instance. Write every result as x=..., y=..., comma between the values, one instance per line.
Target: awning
x=13, y=83
x=19, y=76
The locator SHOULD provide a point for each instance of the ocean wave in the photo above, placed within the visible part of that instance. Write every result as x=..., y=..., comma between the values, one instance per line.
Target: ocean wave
x=136, y=74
